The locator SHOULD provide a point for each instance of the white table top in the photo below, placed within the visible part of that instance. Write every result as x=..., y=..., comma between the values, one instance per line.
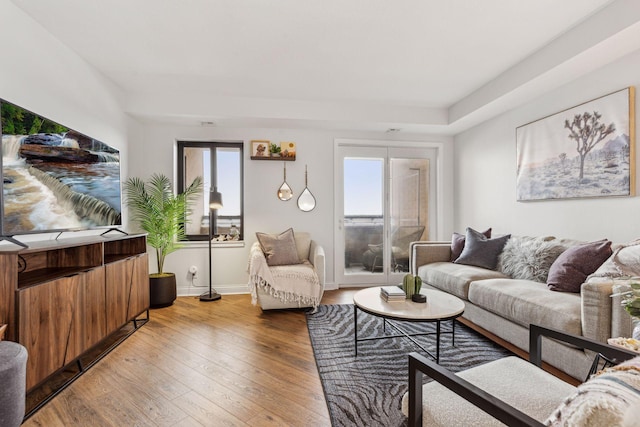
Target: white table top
x=439, y=305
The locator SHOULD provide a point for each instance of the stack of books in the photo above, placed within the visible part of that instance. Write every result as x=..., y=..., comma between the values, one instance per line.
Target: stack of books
x=392, y=294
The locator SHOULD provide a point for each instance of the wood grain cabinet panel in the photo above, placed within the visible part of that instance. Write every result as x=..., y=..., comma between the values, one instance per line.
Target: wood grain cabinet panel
x=93, y=307
x=117, y=277
x=8, y=273
x=127, y=289
x=48, y=326
x=139, y=300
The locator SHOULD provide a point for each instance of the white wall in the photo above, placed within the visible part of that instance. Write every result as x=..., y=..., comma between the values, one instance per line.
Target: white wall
x=153, y=150
x=485, y=171
x=42, y=75
x=39, y=73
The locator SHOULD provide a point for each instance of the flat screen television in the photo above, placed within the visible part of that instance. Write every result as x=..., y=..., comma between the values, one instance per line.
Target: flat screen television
x=55, y=178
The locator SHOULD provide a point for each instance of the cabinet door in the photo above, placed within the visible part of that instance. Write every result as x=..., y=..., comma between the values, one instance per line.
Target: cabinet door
x=139, y=300
x=8, y=275
x=93, y=316
x=117, y=277
x=127, y=290
x=48, y=326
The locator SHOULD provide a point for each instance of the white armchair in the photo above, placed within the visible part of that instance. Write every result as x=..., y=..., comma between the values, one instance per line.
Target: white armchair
x=290, y=285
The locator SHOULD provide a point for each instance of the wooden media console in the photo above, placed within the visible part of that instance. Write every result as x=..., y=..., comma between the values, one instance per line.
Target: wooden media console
x=60, y=298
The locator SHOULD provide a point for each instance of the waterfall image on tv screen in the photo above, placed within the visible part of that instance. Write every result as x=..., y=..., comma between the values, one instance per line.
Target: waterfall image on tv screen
x=55, y=178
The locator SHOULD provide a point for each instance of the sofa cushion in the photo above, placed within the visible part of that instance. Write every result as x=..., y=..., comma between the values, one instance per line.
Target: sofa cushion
x=457, y=243
x=529, y=258
x=525, y=302
x=279, y=249
x=572, y=267
x=454, y=278
x=481, y=251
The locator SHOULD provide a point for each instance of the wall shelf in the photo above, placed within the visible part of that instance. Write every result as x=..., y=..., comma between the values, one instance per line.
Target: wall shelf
x=284, y=159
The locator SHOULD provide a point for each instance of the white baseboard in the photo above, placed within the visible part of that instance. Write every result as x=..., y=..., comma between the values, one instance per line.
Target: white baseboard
x=187, y=291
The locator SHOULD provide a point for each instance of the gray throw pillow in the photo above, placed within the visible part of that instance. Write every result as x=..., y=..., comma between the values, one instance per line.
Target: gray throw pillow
x=279, y=249
x=480, y=251
x=457, y=243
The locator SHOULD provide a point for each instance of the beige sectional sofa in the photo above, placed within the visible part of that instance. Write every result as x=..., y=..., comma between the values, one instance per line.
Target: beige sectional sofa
x=506, y=306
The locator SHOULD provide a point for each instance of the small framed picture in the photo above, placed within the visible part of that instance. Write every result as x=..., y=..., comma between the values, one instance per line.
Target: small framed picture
x=259, y=148
x=288, y=149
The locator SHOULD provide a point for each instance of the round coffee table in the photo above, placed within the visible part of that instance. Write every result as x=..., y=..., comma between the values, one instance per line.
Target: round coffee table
x=440, y=306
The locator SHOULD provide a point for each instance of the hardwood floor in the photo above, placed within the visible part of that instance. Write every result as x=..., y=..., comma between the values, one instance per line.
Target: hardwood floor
x=202, y=364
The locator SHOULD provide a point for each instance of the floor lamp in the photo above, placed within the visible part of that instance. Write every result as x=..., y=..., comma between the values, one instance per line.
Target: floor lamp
x=215, y=203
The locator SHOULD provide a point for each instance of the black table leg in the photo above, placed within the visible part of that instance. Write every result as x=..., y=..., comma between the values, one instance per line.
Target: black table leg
x=355, y=328
x=453, y=332
x=438, y=342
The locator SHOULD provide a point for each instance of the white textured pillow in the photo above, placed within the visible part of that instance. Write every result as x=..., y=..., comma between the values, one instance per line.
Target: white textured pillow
x=529, y=258
x=624, y=262
x=604, y=400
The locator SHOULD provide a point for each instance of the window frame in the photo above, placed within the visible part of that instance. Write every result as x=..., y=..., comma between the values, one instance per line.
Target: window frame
x=212, y=146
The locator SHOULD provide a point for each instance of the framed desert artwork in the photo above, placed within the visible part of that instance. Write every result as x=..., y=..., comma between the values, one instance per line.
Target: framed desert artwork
x=585, y=151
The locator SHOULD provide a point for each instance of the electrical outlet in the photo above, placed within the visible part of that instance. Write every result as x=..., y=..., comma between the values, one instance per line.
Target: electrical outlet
x=193, y=270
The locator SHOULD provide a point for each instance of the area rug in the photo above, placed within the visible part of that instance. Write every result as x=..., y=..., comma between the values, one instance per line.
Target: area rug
x=367, y=390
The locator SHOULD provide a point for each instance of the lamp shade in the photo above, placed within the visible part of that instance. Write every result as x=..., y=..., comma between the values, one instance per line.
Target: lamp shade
x=215, y=199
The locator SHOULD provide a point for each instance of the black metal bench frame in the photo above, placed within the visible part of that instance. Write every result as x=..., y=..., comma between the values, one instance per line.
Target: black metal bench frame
x=420, y=365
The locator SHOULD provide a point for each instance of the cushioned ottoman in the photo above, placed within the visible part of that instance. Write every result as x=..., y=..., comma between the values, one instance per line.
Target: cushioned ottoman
x=13, y=371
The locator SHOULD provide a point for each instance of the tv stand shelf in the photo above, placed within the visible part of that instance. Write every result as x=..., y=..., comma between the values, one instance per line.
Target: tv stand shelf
x=36, y=277
x=62, y=297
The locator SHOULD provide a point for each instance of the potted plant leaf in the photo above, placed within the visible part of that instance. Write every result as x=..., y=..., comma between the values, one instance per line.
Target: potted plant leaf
x=163, y=215
x=274, y=150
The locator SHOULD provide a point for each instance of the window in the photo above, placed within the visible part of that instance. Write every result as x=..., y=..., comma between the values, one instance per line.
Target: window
x=220, y=165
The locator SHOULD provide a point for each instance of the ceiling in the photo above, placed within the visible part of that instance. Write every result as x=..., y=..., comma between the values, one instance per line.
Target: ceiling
x=418, y=65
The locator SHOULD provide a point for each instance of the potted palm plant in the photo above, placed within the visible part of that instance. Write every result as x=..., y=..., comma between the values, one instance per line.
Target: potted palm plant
x=163, y=215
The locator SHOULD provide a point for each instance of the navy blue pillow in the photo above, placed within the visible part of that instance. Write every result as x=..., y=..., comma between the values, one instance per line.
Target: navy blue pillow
x=480, y=251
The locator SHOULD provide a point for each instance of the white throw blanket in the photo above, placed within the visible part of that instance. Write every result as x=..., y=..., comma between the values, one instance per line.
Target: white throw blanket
x=297, y=282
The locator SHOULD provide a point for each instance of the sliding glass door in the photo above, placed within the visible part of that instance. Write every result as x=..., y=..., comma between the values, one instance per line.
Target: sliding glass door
x=384, y=201
x=409, y=205
x=363, y=214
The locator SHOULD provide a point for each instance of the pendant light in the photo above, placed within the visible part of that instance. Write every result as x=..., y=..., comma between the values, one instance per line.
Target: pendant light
x=284, y=192
x=306, y=201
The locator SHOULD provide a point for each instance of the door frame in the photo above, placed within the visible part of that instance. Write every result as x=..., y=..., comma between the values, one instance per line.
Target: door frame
x=436, y=231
